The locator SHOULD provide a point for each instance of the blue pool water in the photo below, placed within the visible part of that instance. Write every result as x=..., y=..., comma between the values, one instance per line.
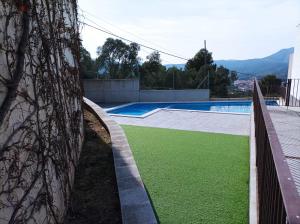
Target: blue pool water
x=140, y=109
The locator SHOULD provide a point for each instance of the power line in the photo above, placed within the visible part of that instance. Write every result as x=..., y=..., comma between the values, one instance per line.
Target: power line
x=85, y=18
x=104, y=30
x=162, y=59
x=142, y=49
x=130, y=41
x=123, y=30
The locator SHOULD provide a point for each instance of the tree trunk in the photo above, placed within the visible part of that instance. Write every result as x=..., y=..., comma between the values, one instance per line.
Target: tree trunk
x=41, y=123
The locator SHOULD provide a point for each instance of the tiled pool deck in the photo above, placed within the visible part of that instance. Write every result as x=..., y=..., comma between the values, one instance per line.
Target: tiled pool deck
x=237, y=124
x=287, y=125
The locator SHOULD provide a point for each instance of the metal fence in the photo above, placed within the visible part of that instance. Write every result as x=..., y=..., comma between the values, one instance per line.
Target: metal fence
x=277, y=195
x=292, y=97
x=286, y=93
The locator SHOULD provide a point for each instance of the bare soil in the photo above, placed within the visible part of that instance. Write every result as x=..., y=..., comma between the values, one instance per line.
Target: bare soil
x=95, y=196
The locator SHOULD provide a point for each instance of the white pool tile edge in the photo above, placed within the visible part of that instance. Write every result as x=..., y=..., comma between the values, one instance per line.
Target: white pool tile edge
x=159, y=109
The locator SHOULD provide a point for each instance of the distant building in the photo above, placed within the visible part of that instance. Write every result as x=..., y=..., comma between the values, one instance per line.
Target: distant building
x=244, y=85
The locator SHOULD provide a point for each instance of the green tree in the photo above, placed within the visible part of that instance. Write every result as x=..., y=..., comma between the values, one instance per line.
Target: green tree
x=198, y=68
x=220, y=80
x=270, y=85
x=117, y=59
x=232, y=90
x=201, y=68
x=153, y=73
x=175, y=78
x=88, y=68
x=233, y=76
x=200, y=59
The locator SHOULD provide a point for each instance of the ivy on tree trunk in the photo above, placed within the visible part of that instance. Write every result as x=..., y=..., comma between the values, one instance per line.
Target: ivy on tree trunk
x=41, y=124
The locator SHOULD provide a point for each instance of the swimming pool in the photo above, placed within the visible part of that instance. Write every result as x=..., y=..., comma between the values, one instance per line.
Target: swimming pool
x=144, y=109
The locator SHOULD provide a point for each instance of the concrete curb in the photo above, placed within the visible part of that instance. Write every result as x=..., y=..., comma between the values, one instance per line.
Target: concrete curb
x=135, y=205
x=253, y=204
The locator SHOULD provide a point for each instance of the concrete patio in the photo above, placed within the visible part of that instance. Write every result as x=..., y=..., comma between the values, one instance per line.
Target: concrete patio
x=237, y=124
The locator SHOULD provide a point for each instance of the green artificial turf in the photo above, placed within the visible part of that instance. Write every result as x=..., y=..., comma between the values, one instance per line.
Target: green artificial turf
x=193, y=177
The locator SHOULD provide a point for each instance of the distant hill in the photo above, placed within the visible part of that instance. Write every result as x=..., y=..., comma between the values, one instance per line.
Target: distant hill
x=179, y=66
x=274, y=64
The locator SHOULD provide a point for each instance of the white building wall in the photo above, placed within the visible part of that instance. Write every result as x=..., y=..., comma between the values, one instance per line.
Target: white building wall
x=291, y=58
x=295, y=73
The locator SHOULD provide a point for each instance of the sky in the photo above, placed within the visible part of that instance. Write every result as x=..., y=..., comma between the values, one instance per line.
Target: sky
x=233, y=29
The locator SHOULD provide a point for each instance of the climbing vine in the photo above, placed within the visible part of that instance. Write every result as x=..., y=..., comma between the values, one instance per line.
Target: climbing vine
x=40, y=111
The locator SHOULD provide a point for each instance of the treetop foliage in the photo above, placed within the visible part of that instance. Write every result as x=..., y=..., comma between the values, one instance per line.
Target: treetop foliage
x=118, y=59
x=202, y=58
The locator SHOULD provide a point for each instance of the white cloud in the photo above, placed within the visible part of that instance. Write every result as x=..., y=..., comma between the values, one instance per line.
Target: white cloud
x=233, y=28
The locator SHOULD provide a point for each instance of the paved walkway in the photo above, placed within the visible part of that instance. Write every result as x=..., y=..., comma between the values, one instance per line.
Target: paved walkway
x=193, y=120
x=287, y=125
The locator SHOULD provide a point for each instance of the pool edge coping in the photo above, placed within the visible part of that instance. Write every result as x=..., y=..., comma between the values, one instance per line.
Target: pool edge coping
x=159, y=109
x=135, y=204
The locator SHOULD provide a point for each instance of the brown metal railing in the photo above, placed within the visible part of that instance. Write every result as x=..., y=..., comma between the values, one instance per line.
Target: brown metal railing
x=286, y=94
x=278, y=199
x=292, y=97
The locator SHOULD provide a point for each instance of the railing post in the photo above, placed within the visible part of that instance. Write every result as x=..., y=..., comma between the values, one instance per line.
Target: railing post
x=288, y=92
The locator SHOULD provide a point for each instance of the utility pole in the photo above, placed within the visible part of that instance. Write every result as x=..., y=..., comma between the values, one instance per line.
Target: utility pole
x=205, y=60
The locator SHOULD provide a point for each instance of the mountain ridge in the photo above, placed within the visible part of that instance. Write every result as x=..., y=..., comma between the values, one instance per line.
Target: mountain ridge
x=276, y=63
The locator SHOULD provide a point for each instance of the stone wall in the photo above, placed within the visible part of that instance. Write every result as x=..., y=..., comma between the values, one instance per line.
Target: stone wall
x=174, y=95
x=41, y=123
x=110, y=91
x=127, y=90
